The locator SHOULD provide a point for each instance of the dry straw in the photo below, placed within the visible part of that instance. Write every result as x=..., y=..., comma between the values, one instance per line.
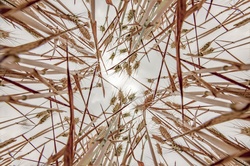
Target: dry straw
x=141, y=78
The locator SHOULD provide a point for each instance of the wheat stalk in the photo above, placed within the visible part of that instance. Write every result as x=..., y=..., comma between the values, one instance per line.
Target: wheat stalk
x=118, y=82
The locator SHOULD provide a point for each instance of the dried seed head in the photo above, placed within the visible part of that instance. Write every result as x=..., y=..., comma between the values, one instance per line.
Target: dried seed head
x=150, y=80
x=102, y=28
x=132, y=29
x=205, y=47
x=164, y=133
x=176, y=147
x=136, y=65
x=149, y=36
x=4, y=34
x=66, y=118
x=245, y=131
x=238, y=107
x=77, y=120
x=128, y=37
x=65, y=134
x=124, y=100
x=117, y=107
x=131, y=97
x=118, y=150
x=64, y=35
x=129, y=70
x=112, y=25
x=24, y=97
x=63, y=46
x=186, y=84
x=113, y=100
x=185, y=30
x=173, y=45
x=87, y=24
x=141, y=125
x=124, y=27
x=187, y=119
x=120, y=95
x=132, y=58
x=117, y=136
x=127, y=114
x=73, y=59
x=125, y=64
x=108, y=40
x=91, y=44
x=59, y=88
x=205, y=94
x=7, y=142
x=123, y=50
x=159, y=149
x=112, y=56
x=64, y=82
x=241, y=23
x=157, y=25
x=161, y=164
x=183, y=46
x=38, y=115
x=84, y=32
x=200, y=54
x=51, y=82
x=125, y=138
x=131, y=14
x=158, y=138
x=146, y=92
x=137, y=109
x=208, y=160
x=100, y=129
x=225, y=67
x=138, y=139
x=98, y=84
x=49, y=111
x=121, y=128
x=209, y=51
x=156, y=120
x=117, y=68
x=148, y=101
x=73, y=18
x=44, y=118
x=191, y=77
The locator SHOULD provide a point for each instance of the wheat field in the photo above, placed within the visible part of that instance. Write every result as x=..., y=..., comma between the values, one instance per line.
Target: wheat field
x=124, y=82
